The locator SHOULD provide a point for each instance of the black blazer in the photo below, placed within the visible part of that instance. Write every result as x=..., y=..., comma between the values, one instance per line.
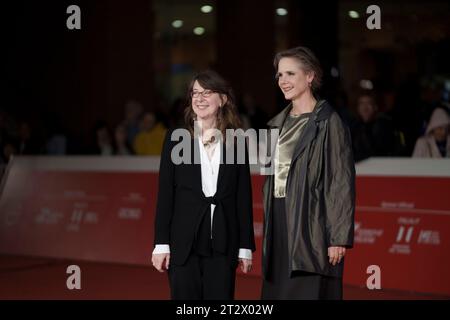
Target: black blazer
x=182, y=207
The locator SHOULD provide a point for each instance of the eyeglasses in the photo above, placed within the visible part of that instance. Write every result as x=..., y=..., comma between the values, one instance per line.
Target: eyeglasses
x=204, y=93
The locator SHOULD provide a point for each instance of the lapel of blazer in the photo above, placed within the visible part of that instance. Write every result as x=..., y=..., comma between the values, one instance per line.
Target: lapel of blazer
x=222, y=165
x=195, y=154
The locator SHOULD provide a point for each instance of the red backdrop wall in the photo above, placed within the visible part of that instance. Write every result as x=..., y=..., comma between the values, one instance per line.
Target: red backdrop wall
x=94, y=209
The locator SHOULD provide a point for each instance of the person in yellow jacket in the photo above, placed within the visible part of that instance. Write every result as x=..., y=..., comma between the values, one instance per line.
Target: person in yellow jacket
x=149, y=140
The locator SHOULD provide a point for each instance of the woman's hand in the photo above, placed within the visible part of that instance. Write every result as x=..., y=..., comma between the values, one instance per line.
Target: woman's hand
x=246, y=265
x=161, y=261
x=336, y=254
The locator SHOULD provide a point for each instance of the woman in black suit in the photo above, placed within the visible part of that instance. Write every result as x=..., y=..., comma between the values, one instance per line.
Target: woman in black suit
x=204, y=221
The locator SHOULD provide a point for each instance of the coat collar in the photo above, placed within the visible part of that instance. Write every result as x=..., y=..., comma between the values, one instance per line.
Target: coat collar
x=322, y=111
x=278, y=120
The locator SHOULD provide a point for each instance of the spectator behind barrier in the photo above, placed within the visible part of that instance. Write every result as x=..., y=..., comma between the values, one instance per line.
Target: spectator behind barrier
x=373, y=133
x=121, y=145
x=133, y=111
x=150, y=140
x=102, y=140
x=436, y=141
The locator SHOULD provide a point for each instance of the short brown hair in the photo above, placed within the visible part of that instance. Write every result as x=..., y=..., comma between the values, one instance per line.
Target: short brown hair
x=308, y=60
x=228, y=117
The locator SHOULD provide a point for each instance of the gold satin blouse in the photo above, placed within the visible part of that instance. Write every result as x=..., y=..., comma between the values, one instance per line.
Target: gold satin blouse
x=290, y=132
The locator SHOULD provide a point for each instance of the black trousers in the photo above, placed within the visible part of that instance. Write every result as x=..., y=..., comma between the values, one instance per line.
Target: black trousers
x=202, y=278
x=299, y=285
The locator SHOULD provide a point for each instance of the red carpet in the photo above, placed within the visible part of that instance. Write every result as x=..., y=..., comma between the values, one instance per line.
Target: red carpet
x=40, y=278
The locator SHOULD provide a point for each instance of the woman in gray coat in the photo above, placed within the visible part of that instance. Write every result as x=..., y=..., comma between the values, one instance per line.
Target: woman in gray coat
x=309, y=199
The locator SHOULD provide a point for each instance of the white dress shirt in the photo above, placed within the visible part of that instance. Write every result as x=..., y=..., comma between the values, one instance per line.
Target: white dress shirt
x=210, y=164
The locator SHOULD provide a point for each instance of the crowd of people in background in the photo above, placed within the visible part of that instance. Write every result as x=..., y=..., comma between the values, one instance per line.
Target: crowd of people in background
x=140, y=133
x=395, y=131
x=380, y=124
